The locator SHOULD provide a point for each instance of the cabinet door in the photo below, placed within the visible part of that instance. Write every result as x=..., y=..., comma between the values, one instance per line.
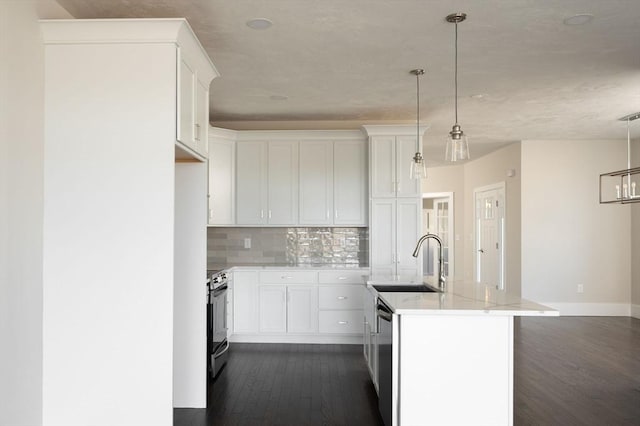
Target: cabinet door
x=302, y=309
x=350, y=183
x=222, y=159
x=405, y=150
x=316, y=183
x=201, y=117
x=273, y=309
x=382, y=235
x=383, y=165
x=245, y=302
x=409, y=227
x=283, y=183
x=186, y=103
x=251, y=183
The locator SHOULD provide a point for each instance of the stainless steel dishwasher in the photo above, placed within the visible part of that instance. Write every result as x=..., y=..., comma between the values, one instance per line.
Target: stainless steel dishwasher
x=385, y=362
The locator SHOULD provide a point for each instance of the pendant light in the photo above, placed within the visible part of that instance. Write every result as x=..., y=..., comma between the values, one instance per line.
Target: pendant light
x=622, y=186
x=457, y=144
x=418, y=168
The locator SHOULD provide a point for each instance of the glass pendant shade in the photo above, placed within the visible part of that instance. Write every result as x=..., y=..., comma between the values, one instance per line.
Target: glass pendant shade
x=418, y=168
x=457, y=148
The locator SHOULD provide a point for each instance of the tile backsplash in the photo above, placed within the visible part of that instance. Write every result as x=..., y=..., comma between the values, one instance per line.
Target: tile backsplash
x=287, y=246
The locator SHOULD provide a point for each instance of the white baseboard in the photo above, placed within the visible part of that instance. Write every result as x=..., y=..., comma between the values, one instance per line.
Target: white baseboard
x=635, y=311
x=337, y=339
x=592, y=309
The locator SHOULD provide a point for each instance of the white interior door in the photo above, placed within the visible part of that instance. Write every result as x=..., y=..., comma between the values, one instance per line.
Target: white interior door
x=489, y=235
x=438, y=219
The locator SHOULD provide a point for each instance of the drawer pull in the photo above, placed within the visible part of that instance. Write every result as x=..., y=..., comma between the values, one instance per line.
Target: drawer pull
x=286, y=277
x=343, y=322
x=342, y=297
x=342, y=278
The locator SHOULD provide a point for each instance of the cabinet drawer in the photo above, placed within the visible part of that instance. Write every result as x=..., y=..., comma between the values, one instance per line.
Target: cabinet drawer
x=342, y=277
x=287, y=277
x=340, y=297
x=341, y=322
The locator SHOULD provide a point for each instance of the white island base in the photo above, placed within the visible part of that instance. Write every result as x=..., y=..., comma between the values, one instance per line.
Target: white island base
x=454, y=370
x=451, y=355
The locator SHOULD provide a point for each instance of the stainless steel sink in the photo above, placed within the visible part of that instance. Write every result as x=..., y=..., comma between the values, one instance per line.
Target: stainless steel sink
x=405, y=288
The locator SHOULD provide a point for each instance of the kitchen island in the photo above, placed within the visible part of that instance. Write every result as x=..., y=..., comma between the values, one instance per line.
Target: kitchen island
x=446, y=358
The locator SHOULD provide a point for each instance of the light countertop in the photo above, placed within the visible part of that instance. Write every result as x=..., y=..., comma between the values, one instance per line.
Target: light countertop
x=460, y=298
x=306, y=267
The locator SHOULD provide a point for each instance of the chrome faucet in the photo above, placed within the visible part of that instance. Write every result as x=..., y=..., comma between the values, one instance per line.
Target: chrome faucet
x=422, y=239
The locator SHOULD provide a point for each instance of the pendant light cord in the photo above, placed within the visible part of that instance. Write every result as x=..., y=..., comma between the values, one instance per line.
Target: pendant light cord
x=418, y=112
x=456, y=71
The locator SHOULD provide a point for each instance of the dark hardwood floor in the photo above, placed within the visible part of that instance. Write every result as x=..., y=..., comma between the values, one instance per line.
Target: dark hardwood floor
x=569, y=371
x=577, y=371
x=285, y=384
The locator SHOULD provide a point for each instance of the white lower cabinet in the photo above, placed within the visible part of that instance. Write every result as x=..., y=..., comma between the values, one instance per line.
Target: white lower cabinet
x=245, y=302
x=370, y=338
x=273, y=309
x=302, y=309
x=288, y=309
x=303, y=306
x=342, y=322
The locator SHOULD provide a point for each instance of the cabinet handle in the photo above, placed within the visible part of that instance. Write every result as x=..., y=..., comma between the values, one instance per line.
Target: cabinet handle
x=343, y=322
x=342, y=297
x=286, y=277
x=328, y=214
x=197, y=131
x=342, y=278
x=269, y=214
x=336, y=213
x=398, y=186
x=261, y=214
x=210, y=213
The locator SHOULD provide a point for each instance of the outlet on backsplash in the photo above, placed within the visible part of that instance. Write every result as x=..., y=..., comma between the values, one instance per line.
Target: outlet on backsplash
x=580, y=288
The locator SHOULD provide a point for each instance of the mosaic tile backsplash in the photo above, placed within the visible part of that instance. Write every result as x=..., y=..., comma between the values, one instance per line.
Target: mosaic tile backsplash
x=287, y=246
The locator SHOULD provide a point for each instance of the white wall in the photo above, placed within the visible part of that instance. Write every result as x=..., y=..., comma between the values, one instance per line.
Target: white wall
x=21, y=203
x=568, y=238
x=451, y=179
x=635, y=240
x=487, y=170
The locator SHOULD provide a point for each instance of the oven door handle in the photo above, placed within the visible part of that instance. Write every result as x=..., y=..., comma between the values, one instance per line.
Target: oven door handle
x=226, y=348
x=385, y=315
x=218, y=291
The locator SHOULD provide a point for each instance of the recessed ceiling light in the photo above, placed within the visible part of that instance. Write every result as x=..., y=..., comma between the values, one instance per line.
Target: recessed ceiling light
x=580, y=19
x=259, y=23
x=278, y=97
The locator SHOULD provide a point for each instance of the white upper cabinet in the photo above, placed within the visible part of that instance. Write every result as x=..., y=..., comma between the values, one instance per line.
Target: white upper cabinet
x=282, y=183
x=390, y=167
x=251, y=183
x=350, y=183
x=316, y=183
x=395, y=229
x=392, y=148
x=222, y=163
x=267, y=183
x=192, y=93
x=312, y=178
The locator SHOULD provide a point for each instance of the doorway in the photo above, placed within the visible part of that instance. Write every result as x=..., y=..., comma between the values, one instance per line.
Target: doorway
x=489, y=240
x=437, y=218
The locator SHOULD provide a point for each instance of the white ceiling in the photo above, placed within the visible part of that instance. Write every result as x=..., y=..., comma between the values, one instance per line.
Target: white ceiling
x=523, y=74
